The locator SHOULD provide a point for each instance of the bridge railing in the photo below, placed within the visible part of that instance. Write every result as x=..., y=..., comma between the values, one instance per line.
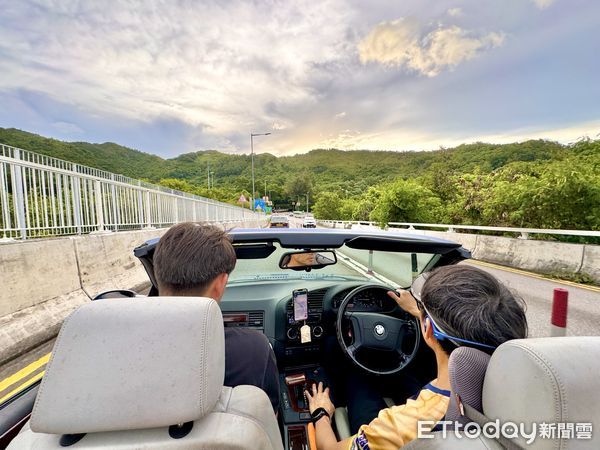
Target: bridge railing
x=523, y=232
x=41, y=196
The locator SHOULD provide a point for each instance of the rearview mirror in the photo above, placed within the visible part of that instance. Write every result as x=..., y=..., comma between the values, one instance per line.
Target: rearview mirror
x=307, y=260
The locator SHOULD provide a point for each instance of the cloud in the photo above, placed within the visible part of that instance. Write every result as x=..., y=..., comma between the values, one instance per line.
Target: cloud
x=543, y=4
x=172, y=77
x=455, y=12
x=212, y=65
x=277, y=126
x=403, y=43
x=67, y=128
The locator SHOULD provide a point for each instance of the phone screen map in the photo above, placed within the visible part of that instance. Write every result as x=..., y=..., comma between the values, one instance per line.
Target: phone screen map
x=300, y=306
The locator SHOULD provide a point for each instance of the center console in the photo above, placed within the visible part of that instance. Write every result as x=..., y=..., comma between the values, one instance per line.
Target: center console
x=294, y=406
x=300, y=368
x=305, y=353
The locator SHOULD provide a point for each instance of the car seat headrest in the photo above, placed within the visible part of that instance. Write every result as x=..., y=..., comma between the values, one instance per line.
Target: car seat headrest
x=133, y=363
x=466, y=368
x=552, y=380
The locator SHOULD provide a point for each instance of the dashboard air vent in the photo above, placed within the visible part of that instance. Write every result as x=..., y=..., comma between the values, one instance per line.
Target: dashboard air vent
x=256, y=319
x=315, y=299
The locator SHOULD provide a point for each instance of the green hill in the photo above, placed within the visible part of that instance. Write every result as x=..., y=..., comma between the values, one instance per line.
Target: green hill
x=480, y=183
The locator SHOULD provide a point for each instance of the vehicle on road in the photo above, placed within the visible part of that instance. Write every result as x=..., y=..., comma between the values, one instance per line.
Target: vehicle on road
x=279, y=221
x=309, y=222
x=349, y=326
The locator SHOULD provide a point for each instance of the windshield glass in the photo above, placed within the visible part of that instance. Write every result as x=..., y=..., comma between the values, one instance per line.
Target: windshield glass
x=389, y=267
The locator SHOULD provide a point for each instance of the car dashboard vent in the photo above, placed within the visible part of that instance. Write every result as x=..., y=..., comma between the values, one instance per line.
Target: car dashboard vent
x=256, y=319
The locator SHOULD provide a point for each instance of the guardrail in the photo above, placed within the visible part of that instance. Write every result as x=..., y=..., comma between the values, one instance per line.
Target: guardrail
x=41, y=196
x=523, y=232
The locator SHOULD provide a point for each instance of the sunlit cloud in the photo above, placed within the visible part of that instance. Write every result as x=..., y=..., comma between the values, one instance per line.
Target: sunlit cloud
x=173, y=77
x=195, y=64
x=543, y=4
x=403, y=43
x=455, y=12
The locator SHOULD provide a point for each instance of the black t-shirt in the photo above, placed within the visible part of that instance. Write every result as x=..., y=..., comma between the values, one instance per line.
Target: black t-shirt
x=249, y=359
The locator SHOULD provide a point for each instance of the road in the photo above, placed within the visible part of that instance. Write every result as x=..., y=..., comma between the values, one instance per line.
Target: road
x=584, y=301
x=583, y=318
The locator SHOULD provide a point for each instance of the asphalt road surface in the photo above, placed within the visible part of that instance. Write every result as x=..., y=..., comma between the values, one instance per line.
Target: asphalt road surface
x=583, y=317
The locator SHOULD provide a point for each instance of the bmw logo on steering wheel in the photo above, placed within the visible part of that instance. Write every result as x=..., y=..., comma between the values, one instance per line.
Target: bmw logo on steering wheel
x=379, y=329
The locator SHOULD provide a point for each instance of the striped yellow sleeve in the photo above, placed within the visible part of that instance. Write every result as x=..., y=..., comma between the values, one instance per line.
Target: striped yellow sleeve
x=397, y=426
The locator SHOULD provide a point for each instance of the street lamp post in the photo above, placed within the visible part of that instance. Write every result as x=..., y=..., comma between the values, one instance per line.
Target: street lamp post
x=252, y=135
x=208, y=174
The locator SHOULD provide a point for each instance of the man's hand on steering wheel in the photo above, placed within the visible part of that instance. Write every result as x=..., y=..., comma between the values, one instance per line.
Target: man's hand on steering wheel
x=405, y=301
x=319, y=399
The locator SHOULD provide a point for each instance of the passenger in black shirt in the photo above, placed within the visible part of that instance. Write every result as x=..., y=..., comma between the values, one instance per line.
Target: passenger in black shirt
x=249, y=359
x=194, y=260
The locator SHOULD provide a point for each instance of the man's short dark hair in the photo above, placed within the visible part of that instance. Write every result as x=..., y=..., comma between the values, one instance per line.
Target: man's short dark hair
x=189, y=256
x=471, y=304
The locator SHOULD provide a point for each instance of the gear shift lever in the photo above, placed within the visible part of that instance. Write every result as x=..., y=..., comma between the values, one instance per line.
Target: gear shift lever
x=297, y=383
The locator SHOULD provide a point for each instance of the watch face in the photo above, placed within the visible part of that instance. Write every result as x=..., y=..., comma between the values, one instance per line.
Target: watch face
x=318, y=413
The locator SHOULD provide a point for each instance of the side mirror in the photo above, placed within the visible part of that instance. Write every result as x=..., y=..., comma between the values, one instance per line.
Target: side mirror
x=307, y=260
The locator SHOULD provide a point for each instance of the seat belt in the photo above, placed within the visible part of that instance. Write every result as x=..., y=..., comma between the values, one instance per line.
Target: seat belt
x=480, y=419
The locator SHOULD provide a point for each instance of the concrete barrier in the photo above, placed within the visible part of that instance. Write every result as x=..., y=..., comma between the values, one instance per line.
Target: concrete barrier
x=30, y=327
x=537, y=256
x=36, y=271
x=107, y=262
x=591, y=262
x=468, y=241
x=40, y=286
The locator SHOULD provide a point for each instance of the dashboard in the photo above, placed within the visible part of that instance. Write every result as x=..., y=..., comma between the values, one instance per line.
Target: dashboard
x=267, y=307
x=369, y=300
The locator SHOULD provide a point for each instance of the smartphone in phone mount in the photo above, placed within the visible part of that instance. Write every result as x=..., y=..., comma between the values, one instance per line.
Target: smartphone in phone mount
x=300, y=301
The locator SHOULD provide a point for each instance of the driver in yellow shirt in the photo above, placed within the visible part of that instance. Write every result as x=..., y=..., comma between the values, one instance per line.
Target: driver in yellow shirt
x=456, y=306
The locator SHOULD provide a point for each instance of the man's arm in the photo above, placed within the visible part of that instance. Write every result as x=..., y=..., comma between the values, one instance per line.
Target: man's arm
x=326, y=439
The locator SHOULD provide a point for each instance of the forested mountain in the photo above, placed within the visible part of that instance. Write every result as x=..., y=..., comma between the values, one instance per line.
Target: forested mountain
x=534, y=183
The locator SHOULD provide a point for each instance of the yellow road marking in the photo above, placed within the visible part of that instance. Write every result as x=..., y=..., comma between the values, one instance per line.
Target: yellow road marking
x=25, y=371
x=23, y=386
x=535, y=275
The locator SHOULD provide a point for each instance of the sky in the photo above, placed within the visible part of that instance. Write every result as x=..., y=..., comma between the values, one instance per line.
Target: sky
x=170, y=77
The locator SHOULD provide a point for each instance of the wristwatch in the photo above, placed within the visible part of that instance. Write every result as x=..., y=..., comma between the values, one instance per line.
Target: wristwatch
x=318, y=413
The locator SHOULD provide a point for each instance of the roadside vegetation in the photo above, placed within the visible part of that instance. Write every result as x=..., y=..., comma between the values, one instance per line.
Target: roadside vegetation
x=538, y=184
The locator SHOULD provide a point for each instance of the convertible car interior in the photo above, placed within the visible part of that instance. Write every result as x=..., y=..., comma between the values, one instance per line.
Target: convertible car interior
x=132, y=371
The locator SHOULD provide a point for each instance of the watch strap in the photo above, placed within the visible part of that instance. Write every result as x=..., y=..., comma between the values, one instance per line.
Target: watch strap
x=318, y=413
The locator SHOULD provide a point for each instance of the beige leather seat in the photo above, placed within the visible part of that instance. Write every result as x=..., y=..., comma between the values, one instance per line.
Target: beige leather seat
x=125, y=372
x=547, y=380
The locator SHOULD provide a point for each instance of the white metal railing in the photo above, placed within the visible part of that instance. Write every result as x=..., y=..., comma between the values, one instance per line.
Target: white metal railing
x=42, y=196
x=523, y=232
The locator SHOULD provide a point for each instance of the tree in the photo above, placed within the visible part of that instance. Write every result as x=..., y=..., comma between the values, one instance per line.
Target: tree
x=365, y=204
x=561, y=195
x=328, y=206
x=406, y=201
x=299, y=186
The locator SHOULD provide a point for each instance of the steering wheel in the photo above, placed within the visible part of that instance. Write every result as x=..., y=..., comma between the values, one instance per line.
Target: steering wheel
x=383, y=331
